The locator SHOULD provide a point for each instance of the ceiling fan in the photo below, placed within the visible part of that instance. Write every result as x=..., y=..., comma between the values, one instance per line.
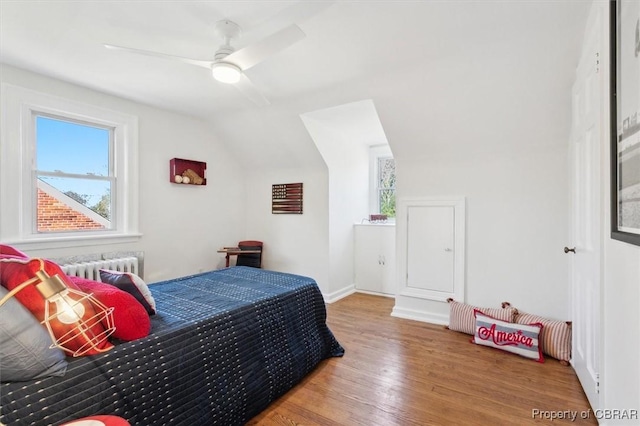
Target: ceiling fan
x=228, y=64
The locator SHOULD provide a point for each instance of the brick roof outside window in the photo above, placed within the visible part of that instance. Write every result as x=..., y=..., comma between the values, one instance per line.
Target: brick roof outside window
x=59, y=212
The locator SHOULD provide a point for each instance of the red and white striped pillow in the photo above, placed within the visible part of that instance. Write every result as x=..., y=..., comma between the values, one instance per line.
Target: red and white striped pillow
x=555, y=337
x=461, y=317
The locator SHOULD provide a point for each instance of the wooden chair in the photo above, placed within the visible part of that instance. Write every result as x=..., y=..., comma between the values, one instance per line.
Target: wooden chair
x=253, y=259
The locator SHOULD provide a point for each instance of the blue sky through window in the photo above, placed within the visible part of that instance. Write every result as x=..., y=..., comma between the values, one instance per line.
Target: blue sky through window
x=76, y=149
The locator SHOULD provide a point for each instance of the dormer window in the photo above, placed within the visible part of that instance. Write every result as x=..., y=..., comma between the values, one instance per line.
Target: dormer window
x=383, y=181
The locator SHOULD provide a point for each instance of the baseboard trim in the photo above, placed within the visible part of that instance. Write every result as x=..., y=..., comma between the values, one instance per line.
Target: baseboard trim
x=415, y=315
x=340, y=294
x=375, y=293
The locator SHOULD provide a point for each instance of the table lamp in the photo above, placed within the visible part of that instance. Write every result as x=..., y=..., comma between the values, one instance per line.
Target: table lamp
x=66, y=306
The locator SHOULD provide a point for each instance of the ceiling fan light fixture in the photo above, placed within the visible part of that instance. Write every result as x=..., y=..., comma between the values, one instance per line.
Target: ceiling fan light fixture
x=225, y=72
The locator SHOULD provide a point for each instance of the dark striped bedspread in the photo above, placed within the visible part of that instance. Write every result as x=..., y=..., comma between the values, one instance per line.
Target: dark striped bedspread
x=224, y=344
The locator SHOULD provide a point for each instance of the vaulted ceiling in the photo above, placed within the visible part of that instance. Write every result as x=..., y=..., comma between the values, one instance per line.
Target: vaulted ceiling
x=403, y=55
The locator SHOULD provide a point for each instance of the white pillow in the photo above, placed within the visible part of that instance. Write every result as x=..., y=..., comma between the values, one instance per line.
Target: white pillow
x=520, y=339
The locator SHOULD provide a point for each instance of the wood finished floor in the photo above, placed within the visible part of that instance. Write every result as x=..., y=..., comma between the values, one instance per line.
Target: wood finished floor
x=402, y=372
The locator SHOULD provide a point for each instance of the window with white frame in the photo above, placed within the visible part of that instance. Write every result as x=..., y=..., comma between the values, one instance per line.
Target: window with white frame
x=383, y=181
x=75, y=179
x=70, y=168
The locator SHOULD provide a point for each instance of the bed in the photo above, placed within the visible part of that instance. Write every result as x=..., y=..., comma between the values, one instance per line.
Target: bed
x=223, y=345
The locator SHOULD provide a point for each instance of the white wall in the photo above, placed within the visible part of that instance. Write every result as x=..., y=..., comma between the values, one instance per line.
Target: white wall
x=347, y=162
x=494, y=129
x=516, y=223
x=293, y=243
x=182, y=226
x=620, y=379
x=620, y=319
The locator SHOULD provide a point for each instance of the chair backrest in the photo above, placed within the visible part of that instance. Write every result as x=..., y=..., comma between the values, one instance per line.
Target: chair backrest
x=252, y=259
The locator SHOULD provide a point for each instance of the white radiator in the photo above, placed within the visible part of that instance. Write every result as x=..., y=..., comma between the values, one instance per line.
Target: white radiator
x=91, y=269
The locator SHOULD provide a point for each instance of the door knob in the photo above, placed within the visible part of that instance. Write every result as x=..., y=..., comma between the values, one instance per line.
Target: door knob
x=572, y=250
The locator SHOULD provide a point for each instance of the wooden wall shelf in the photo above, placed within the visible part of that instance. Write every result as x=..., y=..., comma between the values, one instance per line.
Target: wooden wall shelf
x=177, y=166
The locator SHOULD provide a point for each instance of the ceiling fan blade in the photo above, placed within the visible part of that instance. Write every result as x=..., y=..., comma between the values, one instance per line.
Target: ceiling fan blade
x=249, y=56
x=246, y=87
x=197, y=62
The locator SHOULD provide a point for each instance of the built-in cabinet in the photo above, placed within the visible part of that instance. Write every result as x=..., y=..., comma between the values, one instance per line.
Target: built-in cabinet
x=430, y=257
x=375, y=258
x=431, y=248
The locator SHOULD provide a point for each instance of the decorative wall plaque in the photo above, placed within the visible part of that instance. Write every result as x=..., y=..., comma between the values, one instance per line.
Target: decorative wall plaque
x=286, y=198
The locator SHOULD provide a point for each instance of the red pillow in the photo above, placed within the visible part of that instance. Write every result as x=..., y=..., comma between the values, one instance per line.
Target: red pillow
x=14, y=271
x=129, y=316
x=4, y=249
x=101, y=419
x=11, y=256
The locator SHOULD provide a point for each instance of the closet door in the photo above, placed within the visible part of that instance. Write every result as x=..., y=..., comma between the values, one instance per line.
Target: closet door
x=585, y=250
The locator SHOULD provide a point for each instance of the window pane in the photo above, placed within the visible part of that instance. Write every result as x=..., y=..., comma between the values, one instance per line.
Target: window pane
x=388, y=202
x=70, y=204
x=71, y=147
x=386, y=173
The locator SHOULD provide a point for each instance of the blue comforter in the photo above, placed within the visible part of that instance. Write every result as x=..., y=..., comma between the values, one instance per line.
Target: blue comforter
x=224, y=344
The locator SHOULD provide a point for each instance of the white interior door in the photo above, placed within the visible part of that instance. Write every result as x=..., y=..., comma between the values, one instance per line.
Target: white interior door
x=586, y=207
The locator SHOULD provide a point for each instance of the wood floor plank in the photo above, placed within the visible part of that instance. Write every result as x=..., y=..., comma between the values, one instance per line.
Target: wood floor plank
x=403, y=372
